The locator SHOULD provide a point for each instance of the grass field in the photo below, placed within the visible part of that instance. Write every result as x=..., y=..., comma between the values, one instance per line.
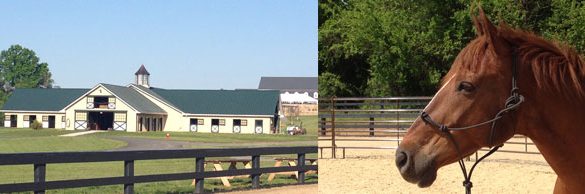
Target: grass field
x=211, y=137
x=27, y=140
x=27, y=132
x=309, y=123
x=24, y=173
x=57, y=144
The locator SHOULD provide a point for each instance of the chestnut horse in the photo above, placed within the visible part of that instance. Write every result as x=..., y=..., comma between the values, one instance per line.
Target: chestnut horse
x=549, y=80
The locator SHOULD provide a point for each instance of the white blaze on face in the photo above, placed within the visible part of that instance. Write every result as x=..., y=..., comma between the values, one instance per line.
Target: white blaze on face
x=447, y=83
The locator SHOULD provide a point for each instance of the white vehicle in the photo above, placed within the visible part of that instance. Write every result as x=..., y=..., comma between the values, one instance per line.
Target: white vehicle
x=294, y=130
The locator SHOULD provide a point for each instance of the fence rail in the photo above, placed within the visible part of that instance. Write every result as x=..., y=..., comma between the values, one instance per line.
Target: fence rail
x=40, y=161
x=376, y=120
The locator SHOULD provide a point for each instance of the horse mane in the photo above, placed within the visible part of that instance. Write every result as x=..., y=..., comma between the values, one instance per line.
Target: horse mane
x=554, y=65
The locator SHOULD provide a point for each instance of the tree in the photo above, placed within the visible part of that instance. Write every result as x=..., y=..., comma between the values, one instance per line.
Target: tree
x=403, y=48
x=20, y=68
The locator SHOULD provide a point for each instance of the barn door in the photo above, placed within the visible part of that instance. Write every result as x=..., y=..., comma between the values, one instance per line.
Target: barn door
x=193, y=125
x=237, y=125
x=214, y=125
x=80, y=120
x=258, y=128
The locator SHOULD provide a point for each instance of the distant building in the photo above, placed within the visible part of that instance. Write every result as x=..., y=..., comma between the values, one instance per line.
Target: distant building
x=140, y=107
x=291, y=85
x=297, y=94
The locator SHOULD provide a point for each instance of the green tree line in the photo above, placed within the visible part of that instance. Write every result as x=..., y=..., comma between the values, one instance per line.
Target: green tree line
x=21, y=68
x=404, y=47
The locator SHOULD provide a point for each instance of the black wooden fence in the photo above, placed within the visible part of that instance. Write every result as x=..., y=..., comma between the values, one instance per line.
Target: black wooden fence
x=375, y=120
x=40, y=161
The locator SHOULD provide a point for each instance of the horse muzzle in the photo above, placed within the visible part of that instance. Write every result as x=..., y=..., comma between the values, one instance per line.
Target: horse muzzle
x=415, y=168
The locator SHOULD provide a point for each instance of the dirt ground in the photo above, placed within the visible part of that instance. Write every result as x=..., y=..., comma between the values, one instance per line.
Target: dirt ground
x=374, y=171
x=293, y=189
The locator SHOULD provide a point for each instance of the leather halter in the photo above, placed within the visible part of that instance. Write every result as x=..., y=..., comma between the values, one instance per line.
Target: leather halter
x=512, y=103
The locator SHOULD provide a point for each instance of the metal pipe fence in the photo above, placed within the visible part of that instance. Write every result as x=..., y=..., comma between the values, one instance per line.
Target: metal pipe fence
x=377, y=120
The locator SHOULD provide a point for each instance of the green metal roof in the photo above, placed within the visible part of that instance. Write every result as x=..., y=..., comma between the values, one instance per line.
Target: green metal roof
x=150, y=92
x=237, y=102
x=42, y=99
x=134, y=99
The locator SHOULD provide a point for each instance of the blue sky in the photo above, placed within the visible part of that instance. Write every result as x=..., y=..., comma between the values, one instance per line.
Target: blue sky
x=183, y=44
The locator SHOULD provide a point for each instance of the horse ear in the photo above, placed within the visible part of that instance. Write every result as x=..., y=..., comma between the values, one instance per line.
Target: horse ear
x=478, y=26
x=486, y=28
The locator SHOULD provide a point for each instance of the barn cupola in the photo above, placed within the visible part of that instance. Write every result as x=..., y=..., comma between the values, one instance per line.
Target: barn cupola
x=142, y=77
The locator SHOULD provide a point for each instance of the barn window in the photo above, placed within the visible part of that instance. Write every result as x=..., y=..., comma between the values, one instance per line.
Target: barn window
x=63, y=119
x=222, y=122
x=120, y=117
x=258, y=122
x=45, y=118
x=101, y=102
x=7, y=117
x=81, y=116
x=25, y=118
x=199, y=121
x=244, y=122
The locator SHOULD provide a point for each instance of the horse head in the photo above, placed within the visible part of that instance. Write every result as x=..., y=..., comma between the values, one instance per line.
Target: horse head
x=474, y=90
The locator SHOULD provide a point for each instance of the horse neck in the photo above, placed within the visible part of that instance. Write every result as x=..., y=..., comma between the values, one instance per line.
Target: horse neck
x=556, y=125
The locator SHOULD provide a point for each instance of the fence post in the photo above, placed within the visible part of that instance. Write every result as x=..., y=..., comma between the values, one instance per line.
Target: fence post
x=199, y=167
x=255, y=177
x=398, y=123
x=301, y=162
x=333, y=146
x=324, y=128
x=525, y=144
x=128, y=172
x=40, y=174
x=371, y=126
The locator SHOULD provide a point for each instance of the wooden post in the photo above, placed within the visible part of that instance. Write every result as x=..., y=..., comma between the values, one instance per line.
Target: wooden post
x=255, y=177
x=40, y=174
x=301, y=162
x=333, y=146
x=199, y=167
x=129, y=172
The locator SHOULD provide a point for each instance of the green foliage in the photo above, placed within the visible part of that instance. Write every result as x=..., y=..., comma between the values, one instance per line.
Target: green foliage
x=403, y=48
x=20, y=68
x=36, y=125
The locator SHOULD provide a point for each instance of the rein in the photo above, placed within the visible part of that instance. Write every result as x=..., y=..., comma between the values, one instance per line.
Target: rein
x=512, y=103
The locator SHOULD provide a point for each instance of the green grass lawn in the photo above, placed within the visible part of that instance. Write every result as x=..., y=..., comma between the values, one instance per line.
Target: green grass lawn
x=24, y=173
x=211, y=137
x=57, y=144
x=309, y=123
x=28, y=140
x=28, y=132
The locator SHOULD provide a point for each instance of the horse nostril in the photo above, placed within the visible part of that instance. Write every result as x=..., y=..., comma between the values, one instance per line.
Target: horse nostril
x=401, y=159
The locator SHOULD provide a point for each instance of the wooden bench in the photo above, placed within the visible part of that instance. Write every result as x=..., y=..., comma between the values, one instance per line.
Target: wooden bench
x=233, y=162
x=291, y=162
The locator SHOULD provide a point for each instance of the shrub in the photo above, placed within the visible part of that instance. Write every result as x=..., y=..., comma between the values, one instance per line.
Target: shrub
x=36, y=125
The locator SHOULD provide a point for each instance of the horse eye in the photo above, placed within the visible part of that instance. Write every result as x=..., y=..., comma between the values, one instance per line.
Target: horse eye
x=466, y=86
